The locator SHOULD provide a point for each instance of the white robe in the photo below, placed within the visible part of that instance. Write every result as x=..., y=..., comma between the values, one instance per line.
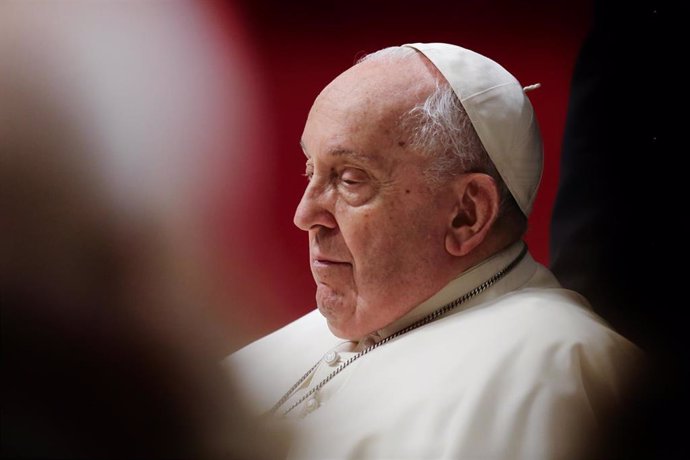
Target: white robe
x=524, y=370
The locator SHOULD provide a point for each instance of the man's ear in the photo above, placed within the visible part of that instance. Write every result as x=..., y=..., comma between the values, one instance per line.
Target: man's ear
x=474, y=212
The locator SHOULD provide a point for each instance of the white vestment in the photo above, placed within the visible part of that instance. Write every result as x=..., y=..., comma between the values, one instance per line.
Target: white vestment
x=521, y=371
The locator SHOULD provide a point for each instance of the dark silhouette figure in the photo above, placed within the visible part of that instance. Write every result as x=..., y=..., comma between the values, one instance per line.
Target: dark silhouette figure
x=617, y=231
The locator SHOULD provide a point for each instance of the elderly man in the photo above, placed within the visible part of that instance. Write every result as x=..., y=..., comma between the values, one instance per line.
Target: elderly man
x=436, y=335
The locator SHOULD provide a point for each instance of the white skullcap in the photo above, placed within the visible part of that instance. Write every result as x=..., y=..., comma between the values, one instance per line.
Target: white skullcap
x=500, y=112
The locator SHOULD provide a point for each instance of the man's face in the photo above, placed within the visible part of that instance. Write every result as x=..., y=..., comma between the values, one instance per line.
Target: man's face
x=376, y=227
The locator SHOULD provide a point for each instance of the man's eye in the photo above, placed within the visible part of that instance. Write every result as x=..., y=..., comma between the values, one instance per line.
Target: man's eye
x=353, y=177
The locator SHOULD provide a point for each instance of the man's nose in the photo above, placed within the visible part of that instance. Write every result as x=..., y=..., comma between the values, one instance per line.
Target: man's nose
x=314, y=210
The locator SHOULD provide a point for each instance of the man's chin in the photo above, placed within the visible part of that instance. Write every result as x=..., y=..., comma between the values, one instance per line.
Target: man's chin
x=338, y=327
x=338, y=310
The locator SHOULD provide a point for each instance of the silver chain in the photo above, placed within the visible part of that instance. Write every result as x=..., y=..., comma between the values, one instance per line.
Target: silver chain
x=422, y=322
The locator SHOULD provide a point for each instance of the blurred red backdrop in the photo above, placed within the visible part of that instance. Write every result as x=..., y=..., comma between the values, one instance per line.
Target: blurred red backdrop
x=295, y=48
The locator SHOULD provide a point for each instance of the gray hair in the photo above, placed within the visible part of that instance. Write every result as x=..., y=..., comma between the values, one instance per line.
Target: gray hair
x=440, y=128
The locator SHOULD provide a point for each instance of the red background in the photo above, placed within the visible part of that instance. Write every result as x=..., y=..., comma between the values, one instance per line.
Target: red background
x=295, y=48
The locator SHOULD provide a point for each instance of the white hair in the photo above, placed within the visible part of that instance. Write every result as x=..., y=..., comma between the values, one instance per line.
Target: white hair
x=440, y=128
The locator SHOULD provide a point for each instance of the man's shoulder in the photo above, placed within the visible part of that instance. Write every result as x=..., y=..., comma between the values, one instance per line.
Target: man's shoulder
x=534, y=318
x=530, y=336
x=559, y=314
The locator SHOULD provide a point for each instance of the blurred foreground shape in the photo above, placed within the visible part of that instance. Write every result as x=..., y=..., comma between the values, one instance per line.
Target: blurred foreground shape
x=118, y=122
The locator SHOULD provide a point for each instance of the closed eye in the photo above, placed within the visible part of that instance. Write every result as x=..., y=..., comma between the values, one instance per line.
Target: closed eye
x=353, y=176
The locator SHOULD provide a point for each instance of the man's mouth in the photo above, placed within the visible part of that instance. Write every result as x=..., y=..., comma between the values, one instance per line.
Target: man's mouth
x=326, y=261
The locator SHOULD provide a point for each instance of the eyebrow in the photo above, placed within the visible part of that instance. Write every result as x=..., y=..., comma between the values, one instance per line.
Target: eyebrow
x=341, y=151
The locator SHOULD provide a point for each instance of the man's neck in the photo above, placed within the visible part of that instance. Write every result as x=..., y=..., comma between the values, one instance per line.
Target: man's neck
x=467, y=280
